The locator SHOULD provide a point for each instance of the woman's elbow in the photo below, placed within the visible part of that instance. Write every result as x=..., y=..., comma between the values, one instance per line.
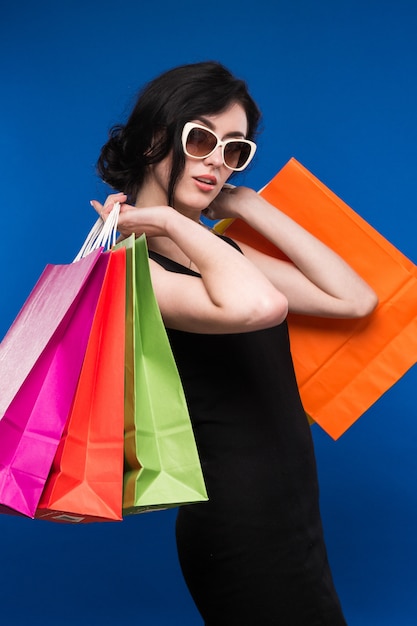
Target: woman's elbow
x=366, y=304
x=272, y=310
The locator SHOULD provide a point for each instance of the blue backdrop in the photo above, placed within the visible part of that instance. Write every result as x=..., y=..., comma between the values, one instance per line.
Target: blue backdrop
x=337, y=85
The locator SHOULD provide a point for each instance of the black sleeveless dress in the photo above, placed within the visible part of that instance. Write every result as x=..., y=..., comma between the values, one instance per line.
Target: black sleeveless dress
x=254, y=554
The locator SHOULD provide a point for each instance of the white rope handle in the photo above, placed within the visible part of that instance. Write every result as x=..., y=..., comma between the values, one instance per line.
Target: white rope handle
x=102, y=235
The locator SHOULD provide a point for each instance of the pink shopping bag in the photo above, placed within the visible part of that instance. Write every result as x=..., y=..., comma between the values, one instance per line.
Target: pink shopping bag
x=40, y=361
x=86, y=478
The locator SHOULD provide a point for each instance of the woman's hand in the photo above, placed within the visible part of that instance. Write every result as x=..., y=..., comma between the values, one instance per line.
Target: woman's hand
x=149, y=220
x=104, y=209
x=231, y=202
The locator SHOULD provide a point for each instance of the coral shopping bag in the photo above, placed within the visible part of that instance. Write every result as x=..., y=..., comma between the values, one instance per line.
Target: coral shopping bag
x=40, y=361
x=162, y=464
x=85, y=482
x=343, y=366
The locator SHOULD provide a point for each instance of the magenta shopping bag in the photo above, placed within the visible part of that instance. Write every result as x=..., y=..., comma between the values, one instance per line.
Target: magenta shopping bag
x=40, y=361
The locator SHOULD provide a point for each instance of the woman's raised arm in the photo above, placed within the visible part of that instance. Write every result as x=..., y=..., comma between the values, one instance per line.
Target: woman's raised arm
x=232, y=295
x=318, y=281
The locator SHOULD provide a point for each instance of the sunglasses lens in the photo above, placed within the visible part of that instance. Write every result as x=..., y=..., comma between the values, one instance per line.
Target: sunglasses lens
x=236, y=154
x=200, y=142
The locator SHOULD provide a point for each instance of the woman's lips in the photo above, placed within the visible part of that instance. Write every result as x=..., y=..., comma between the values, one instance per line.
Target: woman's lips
x=206, y=182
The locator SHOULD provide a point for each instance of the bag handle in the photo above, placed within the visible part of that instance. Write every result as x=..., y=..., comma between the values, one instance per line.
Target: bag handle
x=102, y=235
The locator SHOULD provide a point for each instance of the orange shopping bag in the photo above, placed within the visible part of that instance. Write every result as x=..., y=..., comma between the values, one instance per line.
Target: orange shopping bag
x=343, y=366
x=86, y=480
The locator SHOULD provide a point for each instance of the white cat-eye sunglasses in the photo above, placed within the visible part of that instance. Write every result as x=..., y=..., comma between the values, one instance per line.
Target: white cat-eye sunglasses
x=200, y=142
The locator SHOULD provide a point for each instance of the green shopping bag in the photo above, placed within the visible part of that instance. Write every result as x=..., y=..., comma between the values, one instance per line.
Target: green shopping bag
x=162, y=467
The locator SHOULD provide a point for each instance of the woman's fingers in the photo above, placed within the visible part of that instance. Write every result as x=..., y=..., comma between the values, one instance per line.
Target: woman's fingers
x=97, y=206
x=104, y=209
x=112, y=199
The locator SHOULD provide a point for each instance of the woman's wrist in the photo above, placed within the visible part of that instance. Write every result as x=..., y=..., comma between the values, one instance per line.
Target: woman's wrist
x=250, y=204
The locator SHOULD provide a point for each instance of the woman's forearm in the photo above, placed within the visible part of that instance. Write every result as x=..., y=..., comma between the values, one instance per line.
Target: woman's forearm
x=233, y=295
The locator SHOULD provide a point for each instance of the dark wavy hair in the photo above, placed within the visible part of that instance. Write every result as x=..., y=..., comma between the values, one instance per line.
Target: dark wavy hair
x=155, y=124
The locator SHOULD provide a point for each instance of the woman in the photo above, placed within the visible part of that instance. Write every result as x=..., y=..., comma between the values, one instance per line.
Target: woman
x=253, y=554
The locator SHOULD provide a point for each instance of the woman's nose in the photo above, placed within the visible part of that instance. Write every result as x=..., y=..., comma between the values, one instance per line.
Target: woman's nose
x=216, y=158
